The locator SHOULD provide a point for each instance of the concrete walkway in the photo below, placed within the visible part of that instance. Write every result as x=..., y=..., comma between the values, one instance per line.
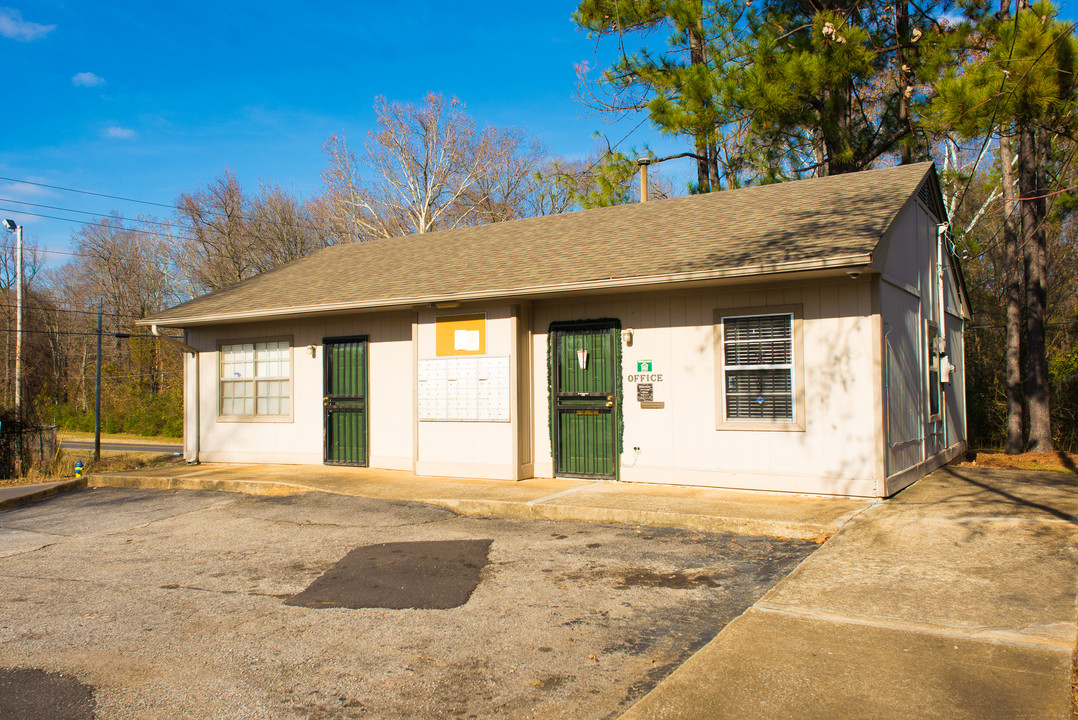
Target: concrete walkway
x=954, y=599
x=747, y=513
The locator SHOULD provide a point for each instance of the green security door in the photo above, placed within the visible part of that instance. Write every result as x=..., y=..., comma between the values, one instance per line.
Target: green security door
x=345, y=400
x=584, y=379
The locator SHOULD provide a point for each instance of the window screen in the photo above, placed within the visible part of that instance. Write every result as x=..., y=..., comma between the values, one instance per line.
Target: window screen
x=256, y=379
x=758, y=367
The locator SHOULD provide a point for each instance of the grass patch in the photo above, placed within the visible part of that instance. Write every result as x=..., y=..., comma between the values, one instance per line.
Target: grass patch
x=1061, y=462
x=118, y=437
x=62, y=465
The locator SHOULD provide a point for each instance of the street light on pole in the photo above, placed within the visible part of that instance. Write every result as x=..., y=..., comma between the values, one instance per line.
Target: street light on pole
x=11, y=225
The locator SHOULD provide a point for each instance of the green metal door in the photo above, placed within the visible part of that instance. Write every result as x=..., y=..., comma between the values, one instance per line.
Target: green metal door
x=584, y=379
x=345, y=400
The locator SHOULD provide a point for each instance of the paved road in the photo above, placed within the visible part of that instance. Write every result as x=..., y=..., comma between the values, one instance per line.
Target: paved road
x=124, y=446
x=196, y=604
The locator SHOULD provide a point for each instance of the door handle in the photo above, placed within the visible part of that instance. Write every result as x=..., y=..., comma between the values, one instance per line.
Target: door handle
x=609, y=404
x=325, y=401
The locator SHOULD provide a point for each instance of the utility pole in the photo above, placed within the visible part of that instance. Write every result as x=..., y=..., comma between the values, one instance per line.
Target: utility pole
x=97, y=389
x=12, y=225
x=18, y=324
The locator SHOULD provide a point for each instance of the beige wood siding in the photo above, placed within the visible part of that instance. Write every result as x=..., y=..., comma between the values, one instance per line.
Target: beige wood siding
x=483, y=449
x=300, y=439
x=679, y=443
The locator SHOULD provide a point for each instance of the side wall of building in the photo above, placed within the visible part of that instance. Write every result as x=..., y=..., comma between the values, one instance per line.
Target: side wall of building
x=917, y=271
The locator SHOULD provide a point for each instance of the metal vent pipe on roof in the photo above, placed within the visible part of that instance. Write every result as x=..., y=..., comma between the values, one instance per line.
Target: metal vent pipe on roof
x=643, y=163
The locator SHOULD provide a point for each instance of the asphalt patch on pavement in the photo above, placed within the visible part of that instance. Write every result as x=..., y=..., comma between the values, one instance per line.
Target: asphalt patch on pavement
x=429, y=575
x=31, y=694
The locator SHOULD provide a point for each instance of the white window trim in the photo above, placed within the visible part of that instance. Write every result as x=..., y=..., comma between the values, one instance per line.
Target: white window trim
x=798, y=370
x=290, y=417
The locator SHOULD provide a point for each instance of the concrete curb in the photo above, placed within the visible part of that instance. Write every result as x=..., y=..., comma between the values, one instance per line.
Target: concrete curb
x=487, y=508
x=33, y=493
x=622, y=516
x=247, y=487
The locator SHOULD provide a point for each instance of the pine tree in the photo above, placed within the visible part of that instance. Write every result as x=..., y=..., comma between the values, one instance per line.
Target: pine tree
x=677, y=87
x=769, y=90
x=1024, y=88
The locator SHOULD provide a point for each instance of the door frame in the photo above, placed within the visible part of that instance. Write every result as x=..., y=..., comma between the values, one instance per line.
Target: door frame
x=617, y=429
x=365, y=399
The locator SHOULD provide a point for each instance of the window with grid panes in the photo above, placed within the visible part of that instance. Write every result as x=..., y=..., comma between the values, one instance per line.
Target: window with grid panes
x=256, y=379
x=758, y=367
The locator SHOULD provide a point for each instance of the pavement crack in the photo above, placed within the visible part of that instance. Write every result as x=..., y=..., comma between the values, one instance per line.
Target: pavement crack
x=177, y=586
x=42, y=578
x=563, y=493
x=307, y=523
x=1000, y=635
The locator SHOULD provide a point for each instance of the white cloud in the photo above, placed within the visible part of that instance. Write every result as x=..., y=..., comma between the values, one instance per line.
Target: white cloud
x=87, y=79
x=13, y=26
x=119, y=133
x=22, y=191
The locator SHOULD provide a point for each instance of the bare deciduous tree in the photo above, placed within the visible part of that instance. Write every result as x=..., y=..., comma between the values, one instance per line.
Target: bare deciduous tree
x=230, y=236
x=218, y=248
x=425, y=168
x=282, y=229
x=505, y=188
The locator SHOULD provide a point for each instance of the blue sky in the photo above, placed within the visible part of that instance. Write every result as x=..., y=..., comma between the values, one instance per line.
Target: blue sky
x=148, y=100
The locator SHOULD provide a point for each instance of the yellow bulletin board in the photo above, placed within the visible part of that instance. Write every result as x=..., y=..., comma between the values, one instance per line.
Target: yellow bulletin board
x=461, y=335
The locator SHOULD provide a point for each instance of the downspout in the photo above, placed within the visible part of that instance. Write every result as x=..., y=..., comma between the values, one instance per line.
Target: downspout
x=191, y=389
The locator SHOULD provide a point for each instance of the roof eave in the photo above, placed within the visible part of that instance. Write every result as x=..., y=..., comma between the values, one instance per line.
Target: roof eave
x=831, y=263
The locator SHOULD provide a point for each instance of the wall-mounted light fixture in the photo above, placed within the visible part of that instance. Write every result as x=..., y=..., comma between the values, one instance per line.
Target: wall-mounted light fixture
x=311, y=350
x=627, y=336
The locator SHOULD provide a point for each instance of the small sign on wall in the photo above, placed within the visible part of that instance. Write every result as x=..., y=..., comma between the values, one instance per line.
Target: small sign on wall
x=645, y=391
x=460, y=335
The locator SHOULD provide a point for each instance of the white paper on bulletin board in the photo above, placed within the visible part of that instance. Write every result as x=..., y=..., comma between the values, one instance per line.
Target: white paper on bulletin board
x=471, y=389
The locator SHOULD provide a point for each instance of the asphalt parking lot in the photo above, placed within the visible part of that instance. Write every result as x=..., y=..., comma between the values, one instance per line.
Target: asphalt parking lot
x=197, y=604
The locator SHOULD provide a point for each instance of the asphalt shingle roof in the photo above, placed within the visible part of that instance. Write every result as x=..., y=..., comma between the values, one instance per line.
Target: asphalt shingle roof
x=767, y=228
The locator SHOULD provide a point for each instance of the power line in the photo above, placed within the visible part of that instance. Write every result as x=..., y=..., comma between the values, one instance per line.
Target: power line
x=179, y=230
x=995, y=110
x=87, y=192
x=80, y=312
x=121, y=335
x=155, y=373
x=85, y=212
x=1062, y=323
x=79, y=222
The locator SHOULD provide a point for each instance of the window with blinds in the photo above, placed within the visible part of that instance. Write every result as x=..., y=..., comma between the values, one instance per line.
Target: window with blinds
x=256, y=379
x=758, y=367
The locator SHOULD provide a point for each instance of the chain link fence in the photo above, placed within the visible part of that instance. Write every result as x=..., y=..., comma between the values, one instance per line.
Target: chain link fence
x=22, y=445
